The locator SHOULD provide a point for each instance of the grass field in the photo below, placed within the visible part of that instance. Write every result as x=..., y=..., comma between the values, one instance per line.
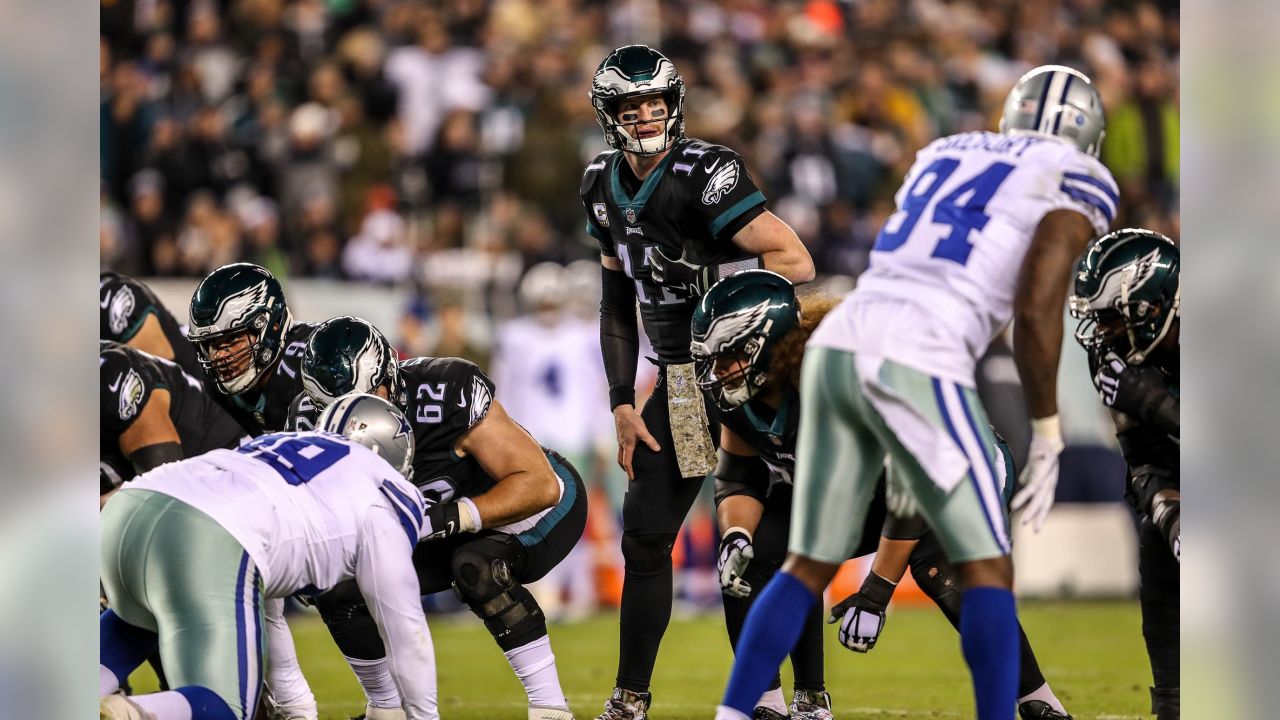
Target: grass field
x=1092, y=654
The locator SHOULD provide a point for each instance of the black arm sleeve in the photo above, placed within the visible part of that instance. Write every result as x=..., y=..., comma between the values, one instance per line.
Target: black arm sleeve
x=153, y=456
x=741, y=475
x=1164, y=415
x=619, y=338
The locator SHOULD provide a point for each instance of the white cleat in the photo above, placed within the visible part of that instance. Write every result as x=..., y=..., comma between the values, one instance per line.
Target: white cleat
x=118, y=707
x=550, y=713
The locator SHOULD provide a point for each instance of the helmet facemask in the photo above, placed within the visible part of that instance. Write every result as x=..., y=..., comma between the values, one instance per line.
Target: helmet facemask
x=742, y=378
x=633, y=72
x=256, y=355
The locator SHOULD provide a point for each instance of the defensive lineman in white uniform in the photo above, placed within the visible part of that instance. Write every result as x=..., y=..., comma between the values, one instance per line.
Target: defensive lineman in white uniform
x=197, y=554
x=987, y=229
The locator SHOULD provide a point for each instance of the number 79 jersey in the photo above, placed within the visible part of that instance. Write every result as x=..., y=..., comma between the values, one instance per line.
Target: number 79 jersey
x=966, y=213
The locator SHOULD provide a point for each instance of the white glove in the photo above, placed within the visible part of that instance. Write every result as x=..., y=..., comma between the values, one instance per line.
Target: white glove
x=1039, y=478
x=735, y=554
x=860, y=628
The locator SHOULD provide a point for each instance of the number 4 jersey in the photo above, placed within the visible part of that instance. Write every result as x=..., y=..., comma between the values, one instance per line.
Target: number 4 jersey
x=945, y=267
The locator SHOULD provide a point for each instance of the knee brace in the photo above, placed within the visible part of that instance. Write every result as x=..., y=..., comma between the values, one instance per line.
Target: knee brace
x=485, y=584
x=648, y=554
x=936, y=577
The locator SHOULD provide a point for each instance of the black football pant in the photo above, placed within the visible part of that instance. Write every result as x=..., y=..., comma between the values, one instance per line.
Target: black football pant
x=769, y=542
x=653, y=510
x=467, y=561
x=1158, y=596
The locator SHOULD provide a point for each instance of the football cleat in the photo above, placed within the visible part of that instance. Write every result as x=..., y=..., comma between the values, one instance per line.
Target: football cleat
x=811, y=705
x=377, y=713
x=550, y=713
x=763, y=713
x=118, y=707
x=1040, y=710
x=626, y=705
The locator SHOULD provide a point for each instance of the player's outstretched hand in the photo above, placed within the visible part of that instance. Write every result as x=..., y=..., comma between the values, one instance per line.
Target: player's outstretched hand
x=735, y=554
x=862, y=614
x=1039, y=478
x=631, y=431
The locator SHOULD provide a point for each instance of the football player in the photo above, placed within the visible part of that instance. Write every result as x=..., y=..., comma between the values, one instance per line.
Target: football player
x=1127, y=294
x=749, y=333
x=130, y=313
x=672, y=215
x=988, y=228
x=152, y=412
x=248, y=345
x=198, y=556
x=501, y=510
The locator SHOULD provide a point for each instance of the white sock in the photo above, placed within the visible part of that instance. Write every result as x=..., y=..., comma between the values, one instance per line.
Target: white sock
x=167, y=705
x=375, y=678
x=728, y=713
x=107, y=681
x=1044, y=694
x=535, y=666
x=773, y=700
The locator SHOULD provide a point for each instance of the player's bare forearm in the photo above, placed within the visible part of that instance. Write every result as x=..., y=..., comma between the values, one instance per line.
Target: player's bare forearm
x=526, y=484
x=778, y=246
x=1039, y=305
x=150, y=338
x=892, y=558
x=742, y=511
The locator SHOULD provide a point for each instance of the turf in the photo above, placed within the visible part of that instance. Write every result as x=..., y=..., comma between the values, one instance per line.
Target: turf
x=1092, y=654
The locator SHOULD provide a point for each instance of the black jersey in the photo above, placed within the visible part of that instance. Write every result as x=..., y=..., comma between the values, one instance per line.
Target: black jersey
x=267, y=410
x=693, y=202
x=771, y=434
x=127, y=378
x=446, y=398
x=124, y=305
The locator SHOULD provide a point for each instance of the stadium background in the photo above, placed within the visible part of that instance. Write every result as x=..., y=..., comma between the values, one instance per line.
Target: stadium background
x=409, y=161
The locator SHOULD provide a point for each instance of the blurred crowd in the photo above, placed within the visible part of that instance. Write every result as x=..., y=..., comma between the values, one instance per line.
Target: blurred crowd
x=439, y=145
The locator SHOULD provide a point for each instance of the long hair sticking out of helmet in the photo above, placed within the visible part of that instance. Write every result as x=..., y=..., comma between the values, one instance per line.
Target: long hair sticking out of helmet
x=788, y=352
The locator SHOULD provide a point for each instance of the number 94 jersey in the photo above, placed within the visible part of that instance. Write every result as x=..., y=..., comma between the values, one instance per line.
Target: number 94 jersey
x=966, y=213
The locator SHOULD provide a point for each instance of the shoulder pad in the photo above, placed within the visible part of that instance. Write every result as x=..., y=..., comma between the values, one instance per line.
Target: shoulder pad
x=593, y=171
x=124, y=380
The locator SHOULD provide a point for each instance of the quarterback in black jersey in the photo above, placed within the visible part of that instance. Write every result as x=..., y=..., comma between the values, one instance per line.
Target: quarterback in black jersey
x=672, y=215
x=749, y=332
x=1127, y=294
x=152, y=412
x=130, y=313
x=503, y=511
x=248, y=345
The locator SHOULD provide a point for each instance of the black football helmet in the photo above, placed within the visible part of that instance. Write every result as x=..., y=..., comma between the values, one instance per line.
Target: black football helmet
x=345, y=355
x=631, y=71
x=235, y=299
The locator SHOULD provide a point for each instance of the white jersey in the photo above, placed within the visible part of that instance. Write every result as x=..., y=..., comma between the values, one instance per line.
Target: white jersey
x=312, y=510
x=550, y=379
x=945, y=267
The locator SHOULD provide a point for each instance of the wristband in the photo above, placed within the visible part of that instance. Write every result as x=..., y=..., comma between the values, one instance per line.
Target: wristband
x=1048, y=429
x=877, y=591
x=468, y=516
x=621, y=396
x=736, y=529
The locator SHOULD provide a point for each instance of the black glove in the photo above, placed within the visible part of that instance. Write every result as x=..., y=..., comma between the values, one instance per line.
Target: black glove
x=681, y=274
x=1136, y=391
x=442, y=521
x=862, y=614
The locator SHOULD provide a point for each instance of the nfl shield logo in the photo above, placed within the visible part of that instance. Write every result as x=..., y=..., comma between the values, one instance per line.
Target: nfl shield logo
x=631, y=215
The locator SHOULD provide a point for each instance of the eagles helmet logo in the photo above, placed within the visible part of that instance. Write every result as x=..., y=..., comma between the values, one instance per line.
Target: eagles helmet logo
x=1118, y=284
x=236, y=307
x=131, y=392
x=724, y=180
x=727, y=330
x=121, y=308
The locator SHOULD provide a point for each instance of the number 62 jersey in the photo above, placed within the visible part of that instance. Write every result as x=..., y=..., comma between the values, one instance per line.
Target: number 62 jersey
x=951, y=255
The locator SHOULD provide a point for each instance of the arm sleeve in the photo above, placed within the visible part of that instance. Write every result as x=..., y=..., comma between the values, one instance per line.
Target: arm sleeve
x=726, y=197
x=384, y=572
x=289, y=688
x=619, y=336
x=1087, y=187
